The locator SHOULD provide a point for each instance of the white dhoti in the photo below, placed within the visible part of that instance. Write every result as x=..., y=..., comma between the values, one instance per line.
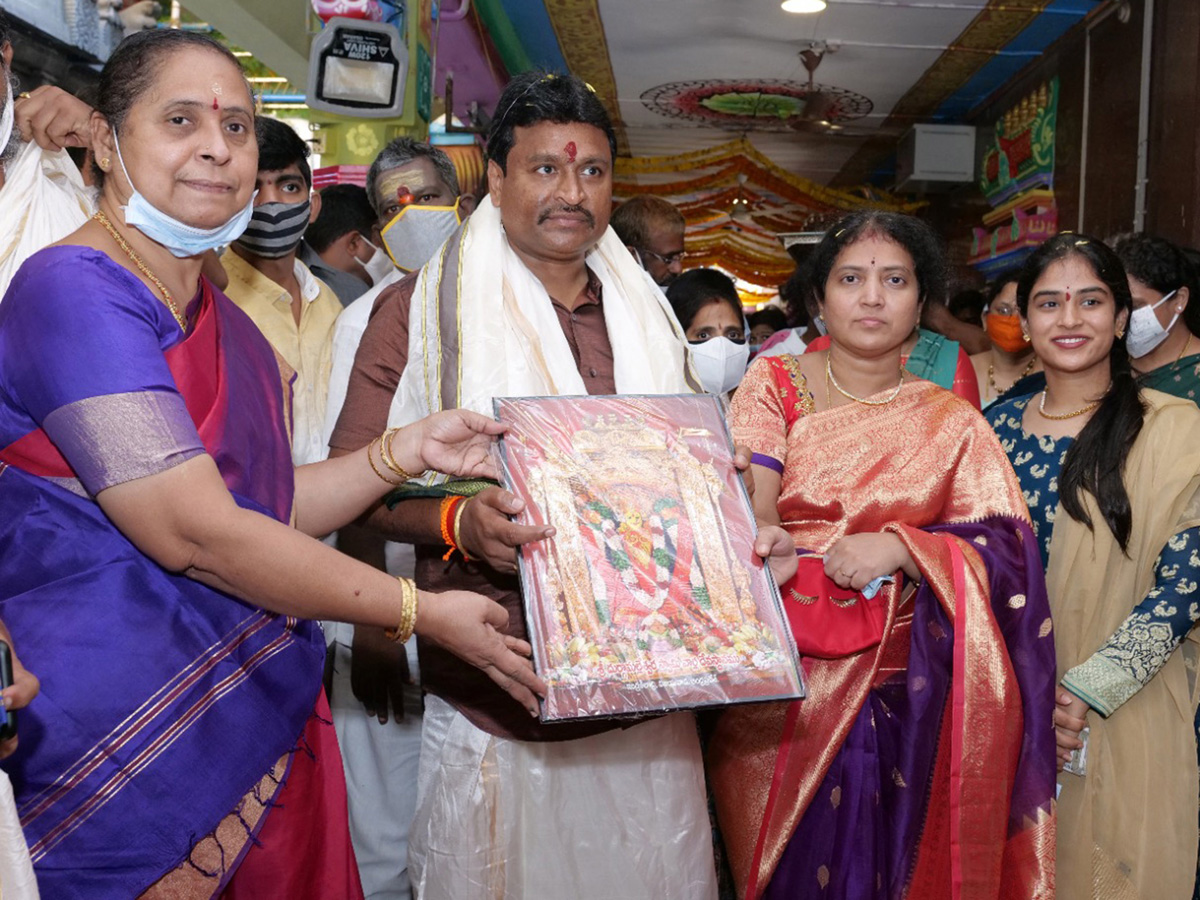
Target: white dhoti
x=380, y=761
x=618, y=816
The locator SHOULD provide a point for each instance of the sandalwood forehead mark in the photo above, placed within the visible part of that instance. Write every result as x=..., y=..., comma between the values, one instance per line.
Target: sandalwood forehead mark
x=571, y=151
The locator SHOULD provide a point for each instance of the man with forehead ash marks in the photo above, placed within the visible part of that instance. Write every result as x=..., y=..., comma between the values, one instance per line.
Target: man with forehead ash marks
x=414, y=191
x=535, y=268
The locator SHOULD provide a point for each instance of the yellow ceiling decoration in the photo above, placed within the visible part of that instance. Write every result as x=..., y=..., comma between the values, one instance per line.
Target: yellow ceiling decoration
x=774, y=201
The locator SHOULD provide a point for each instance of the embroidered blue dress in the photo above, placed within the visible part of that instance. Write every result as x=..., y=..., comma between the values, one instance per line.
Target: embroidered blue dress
x=1143, y=643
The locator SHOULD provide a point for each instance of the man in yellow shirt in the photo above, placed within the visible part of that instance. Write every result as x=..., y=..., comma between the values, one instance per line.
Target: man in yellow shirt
x=293, y=308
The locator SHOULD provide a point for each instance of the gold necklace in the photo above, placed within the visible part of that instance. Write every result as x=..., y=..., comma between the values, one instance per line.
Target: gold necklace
x=142, y=267
x=829, y=379
x=992, y=374
x=1058, y=417
x=1183, y=348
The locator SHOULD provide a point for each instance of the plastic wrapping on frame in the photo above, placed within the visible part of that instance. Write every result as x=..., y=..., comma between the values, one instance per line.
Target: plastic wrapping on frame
x=649, y=597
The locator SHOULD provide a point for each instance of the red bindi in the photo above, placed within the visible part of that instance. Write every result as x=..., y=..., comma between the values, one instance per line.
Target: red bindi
x=570, y=150
x=215, y=103
x=1068, y=295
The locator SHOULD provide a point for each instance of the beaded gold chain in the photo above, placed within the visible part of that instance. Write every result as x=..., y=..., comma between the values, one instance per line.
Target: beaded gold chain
x=142, y=267
x=992, y=375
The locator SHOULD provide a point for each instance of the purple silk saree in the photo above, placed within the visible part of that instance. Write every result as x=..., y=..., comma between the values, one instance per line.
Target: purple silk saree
x=164, y=703
x=936, y=736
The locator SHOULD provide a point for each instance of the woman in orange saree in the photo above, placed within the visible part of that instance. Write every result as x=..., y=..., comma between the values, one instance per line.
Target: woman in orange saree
x=922, y=763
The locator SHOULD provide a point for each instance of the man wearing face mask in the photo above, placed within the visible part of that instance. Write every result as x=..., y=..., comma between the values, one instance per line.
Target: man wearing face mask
x=414, y=194
x=709, y=310
x=337, y=246
x=413, y=189
x=293, y=309
x=652, y=229
x=42, y=197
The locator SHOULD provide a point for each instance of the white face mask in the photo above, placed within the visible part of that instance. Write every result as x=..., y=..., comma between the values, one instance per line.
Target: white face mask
x=180, y=238
x=720, y=363
x=378, y=265
x=416, y=233
x=1145, y=331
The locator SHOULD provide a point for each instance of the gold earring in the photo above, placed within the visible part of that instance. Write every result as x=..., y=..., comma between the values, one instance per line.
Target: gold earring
x=105, y=163
x=1120, y=333
x=1024, y=337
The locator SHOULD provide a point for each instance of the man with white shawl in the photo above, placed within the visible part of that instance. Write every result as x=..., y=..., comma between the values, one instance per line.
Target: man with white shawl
x=533, y=295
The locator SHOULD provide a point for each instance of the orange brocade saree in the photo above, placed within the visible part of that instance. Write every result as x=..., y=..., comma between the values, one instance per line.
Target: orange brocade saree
x=924, y=765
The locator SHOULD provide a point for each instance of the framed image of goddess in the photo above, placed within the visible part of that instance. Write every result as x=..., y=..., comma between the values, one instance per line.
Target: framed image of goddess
x=649, y=597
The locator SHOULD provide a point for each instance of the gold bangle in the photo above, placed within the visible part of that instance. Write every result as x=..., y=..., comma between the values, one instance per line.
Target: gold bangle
x=408, y=612
x=385, y=452
x=458, y=514
x=375, y=468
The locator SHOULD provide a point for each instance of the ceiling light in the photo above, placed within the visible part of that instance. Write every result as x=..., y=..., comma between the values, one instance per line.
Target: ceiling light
x=803, y=6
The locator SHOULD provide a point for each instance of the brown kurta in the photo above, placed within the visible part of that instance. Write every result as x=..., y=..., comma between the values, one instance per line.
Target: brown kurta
x=380, y=361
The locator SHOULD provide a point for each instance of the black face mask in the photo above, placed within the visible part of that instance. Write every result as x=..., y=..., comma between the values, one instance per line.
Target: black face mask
x=275, y=229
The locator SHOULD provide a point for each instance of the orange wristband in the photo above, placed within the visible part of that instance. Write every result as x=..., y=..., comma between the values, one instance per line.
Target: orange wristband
x=448, y=519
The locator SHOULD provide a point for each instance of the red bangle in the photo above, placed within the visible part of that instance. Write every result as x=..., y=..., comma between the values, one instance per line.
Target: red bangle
x=449, y=505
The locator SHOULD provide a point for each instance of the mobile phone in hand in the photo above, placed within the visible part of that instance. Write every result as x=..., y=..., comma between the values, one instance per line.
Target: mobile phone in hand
x=1077, y=765
x=8, y=724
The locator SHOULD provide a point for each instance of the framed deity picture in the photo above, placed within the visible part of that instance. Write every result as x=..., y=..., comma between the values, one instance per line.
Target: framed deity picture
x=649, y=597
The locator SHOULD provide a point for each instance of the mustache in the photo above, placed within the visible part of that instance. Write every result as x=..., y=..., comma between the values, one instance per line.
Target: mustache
x=576, y=210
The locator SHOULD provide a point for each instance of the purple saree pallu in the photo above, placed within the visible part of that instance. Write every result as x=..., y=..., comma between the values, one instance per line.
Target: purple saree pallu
x=879, y=823
x=163, y=701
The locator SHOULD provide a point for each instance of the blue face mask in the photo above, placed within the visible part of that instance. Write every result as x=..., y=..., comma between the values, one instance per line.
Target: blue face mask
x=181, y=239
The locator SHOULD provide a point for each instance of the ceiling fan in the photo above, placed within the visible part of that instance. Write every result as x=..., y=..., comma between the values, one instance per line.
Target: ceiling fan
x=821, y=105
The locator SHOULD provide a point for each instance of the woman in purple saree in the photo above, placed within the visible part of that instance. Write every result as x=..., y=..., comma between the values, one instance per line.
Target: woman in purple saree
x=148, y=572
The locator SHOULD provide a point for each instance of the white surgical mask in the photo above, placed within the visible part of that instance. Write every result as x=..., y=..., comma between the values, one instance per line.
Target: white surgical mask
x=1145, y=331
x=181, y=239
x=378, y=265
x=720, y=363
x=417, y=232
